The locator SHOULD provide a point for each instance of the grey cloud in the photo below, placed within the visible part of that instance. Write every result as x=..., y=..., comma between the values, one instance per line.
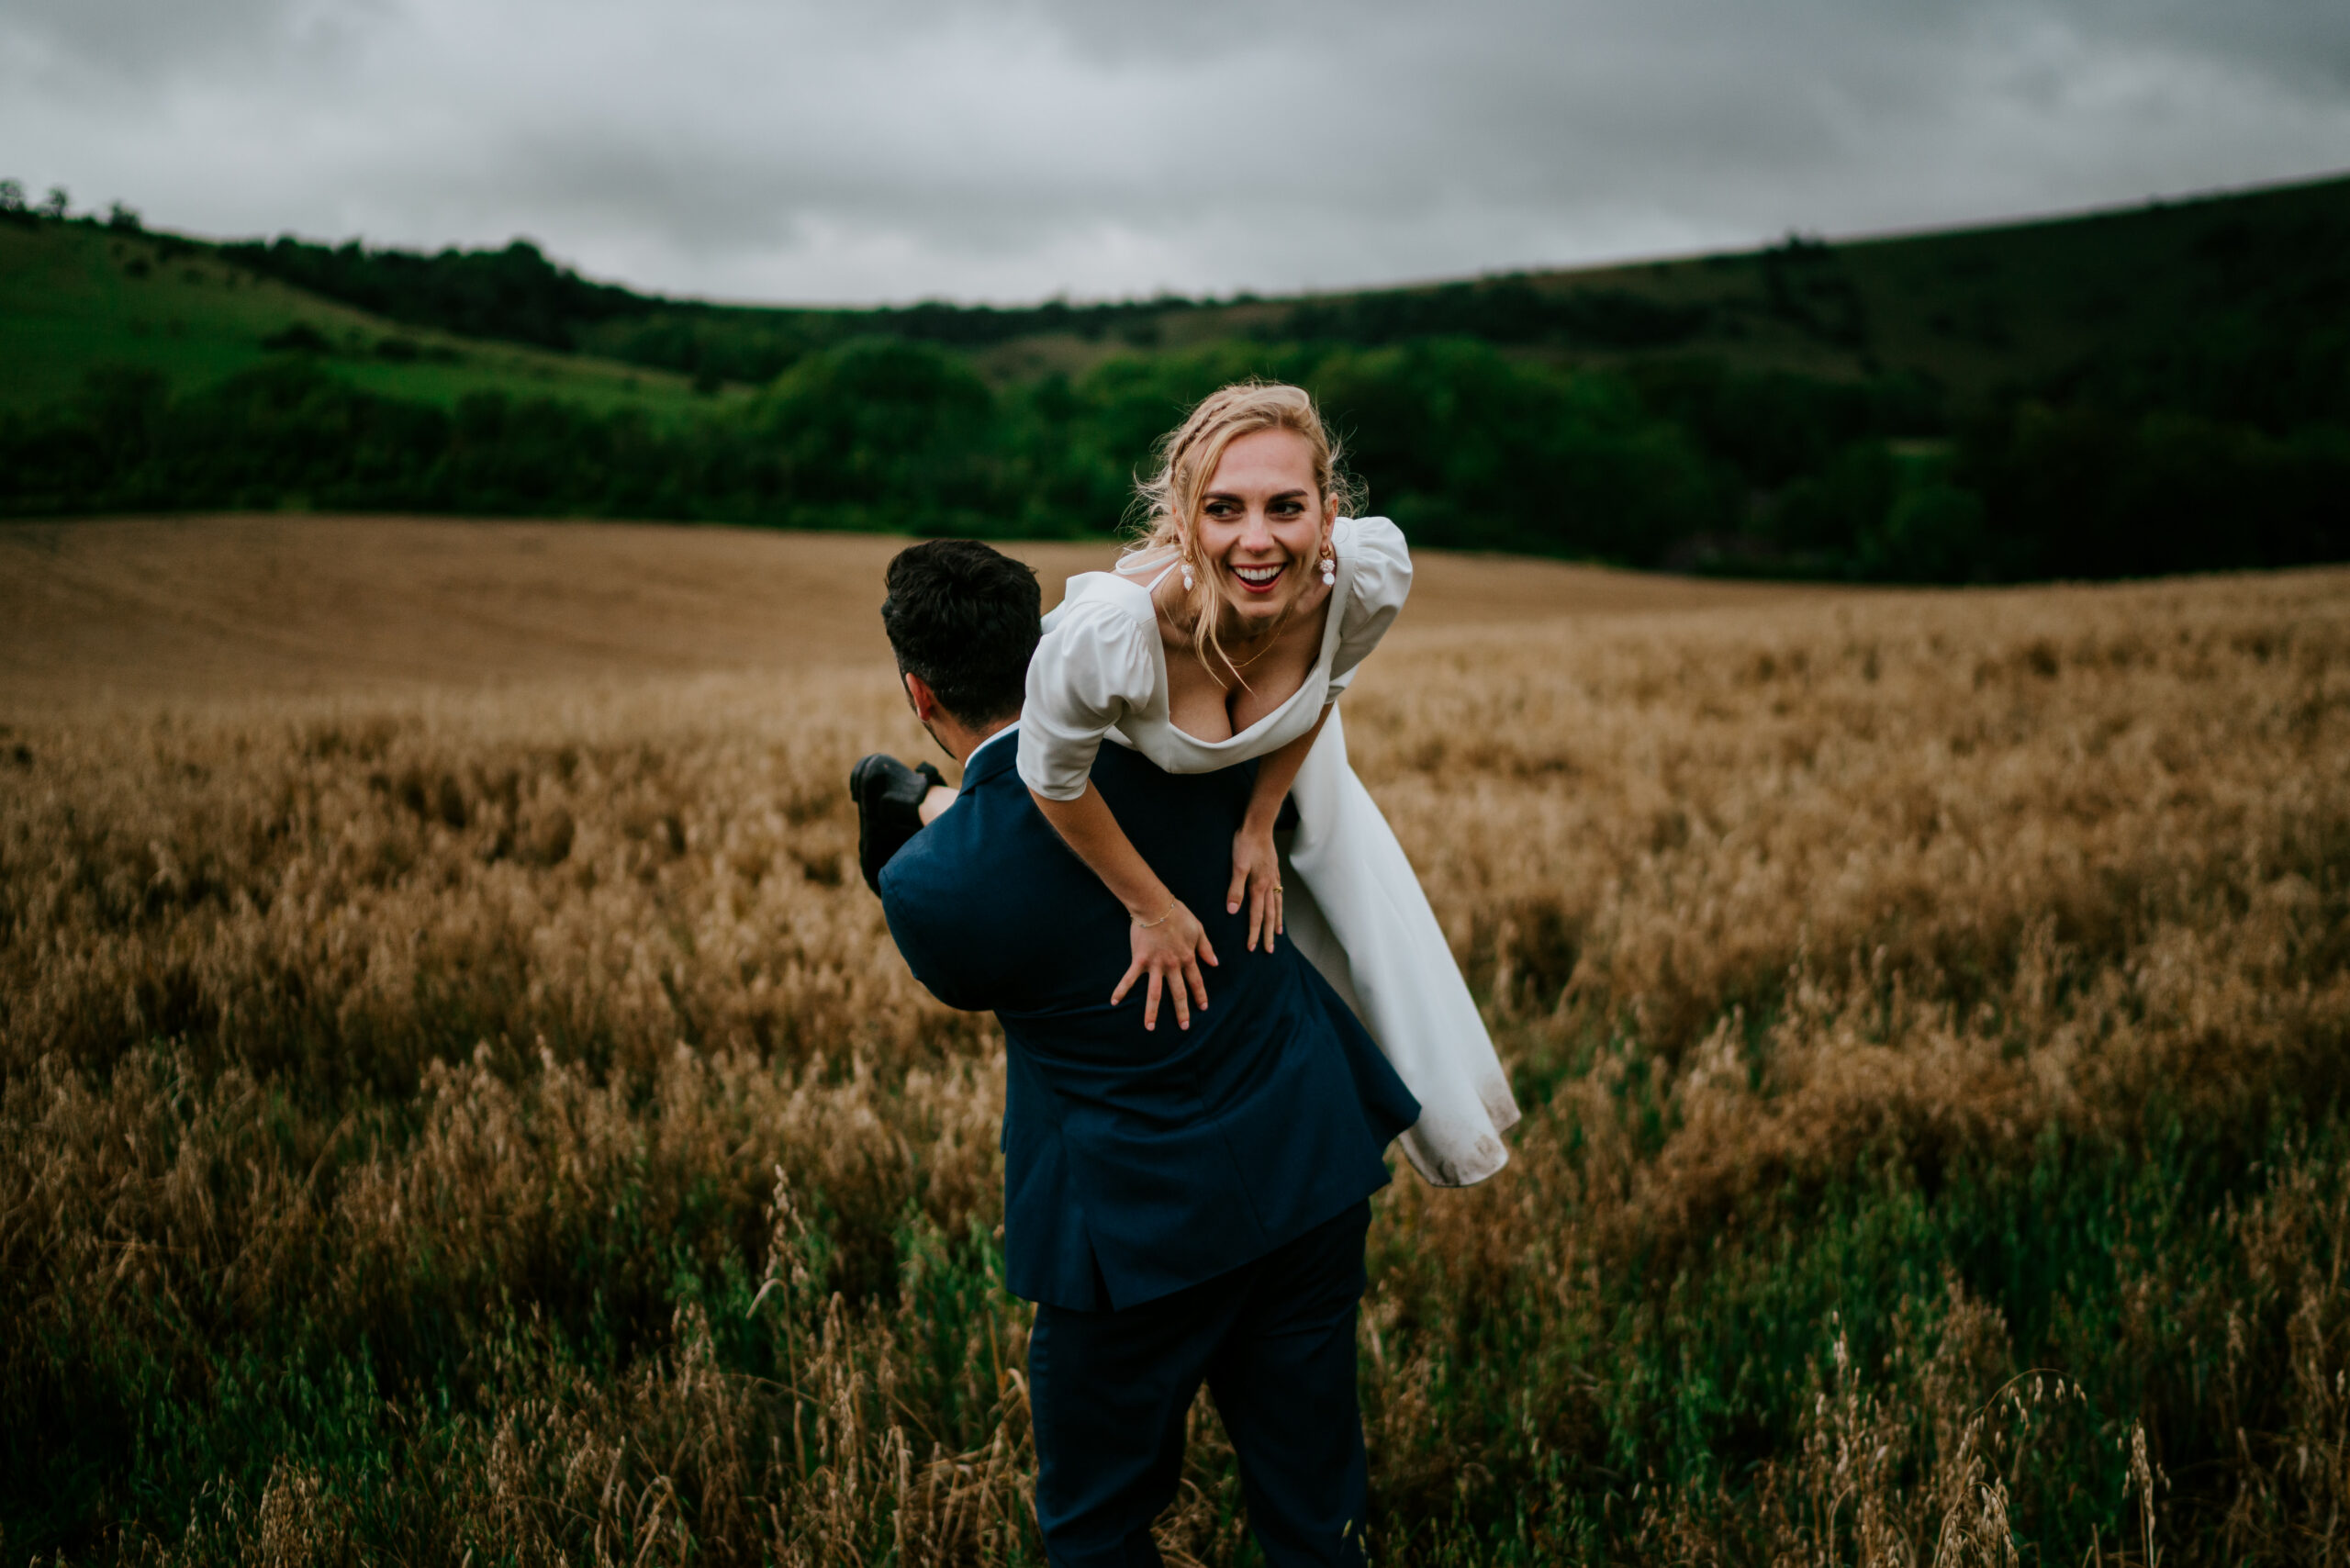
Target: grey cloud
x=1010, y=149
x=2303, y=44
x=138, y=42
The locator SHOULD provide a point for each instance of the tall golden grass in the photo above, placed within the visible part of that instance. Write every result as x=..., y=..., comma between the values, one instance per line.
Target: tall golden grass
x=501, y=1124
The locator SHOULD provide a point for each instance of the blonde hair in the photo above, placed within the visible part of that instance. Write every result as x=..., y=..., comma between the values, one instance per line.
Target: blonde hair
x=1187, y=460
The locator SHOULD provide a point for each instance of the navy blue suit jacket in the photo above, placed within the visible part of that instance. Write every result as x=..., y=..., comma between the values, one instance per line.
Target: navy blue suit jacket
x=1136, y=1163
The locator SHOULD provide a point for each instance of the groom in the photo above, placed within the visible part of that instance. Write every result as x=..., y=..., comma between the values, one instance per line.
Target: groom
x=1182, y=1204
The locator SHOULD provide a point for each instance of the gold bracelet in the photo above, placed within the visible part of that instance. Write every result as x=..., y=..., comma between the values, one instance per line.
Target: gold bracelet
x=1163, y=914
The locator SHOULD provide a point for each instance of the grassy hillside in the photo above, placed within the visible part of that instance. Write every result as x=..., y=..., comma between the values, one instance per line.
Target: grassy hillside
x=1969, y=309
x=76, y=297
x=2157, y=390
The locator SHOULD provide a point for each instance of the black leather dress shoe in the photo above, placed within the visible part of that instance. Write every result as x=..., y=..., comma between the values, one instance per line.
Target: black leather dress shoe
x=889, y=798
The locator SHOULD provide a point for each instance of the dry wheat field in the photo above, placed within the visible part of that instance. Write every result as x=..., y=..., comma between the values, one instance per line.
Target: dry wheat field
x=491, y=1125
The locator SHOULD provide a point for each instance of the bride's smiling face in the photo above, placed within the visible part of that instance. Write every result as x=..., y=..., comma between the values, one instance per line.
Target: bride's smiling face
x=1262, y=524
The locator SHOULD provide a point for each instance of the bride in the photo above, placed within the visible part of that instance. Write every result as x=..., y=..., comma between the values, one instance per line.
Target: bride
x=1226, y=633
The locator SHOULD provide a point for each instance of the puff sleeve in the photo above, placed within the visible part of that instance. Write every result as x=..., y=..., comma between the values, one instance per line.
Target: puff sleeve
x=1379, y=566
x=1094, y=665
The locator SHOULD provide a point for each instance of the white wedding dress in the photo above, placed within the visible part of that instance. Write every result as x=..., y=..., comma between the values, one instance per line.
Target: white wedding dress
x=1351, y=900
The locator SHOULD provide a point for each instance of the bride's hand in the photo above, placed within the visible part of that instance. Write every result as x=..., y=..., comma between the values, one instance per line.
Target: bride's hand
x=1255, y=877
x=1170, y=951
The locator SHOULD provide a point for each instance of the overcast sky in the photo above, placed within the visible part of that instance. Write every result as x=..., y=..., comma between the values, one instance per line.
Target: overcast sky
x=1007, y=150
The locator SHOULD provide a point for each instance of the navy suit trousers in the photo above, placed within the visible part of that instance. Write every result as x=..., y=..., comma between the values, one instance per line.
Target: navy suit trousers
x=1274, y=1340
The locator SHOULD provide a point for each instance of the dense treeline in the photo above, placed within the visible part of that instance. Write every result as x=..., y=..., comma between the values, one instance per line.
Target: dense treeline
x=1952, y=420
x=716, y=344
x=1498, y=310
x=518, y=294
x=1684, y=464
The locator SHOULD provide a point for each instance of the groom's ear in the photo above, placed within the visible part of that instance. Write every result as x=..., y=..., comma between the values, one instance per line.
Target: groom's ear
x=920, y=697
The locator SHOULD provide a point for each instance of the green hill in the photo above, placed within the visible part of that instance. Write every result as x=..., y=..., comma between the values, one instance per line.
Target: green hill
x=2157, y=389
x=75, y=296
x=1970, y=309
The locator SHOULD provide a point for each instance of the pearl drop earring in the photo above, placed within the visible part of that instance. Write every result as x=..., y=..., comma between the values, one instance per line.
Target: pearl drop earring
x=1186, y=576
x=1329, y=568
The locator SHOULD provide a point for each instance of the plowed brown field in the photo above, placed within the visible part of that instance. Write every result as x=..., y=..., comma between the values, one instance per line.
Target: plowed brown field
x=256, y=604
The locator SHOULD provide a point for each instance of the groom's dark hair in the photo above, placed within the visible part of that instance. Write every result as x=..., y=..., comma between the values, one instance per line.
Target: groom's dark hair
x=965, y=618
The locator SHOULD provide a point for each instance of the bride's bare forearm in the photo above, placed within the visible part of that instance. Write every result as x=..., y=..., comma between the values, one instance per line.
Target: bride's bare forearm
x=1087, y=825
x=1277, y=772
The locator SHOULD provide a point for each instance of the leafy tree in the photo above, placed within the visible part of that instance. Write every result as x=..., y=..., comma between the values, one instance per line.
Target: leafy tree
x=2221, y=441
